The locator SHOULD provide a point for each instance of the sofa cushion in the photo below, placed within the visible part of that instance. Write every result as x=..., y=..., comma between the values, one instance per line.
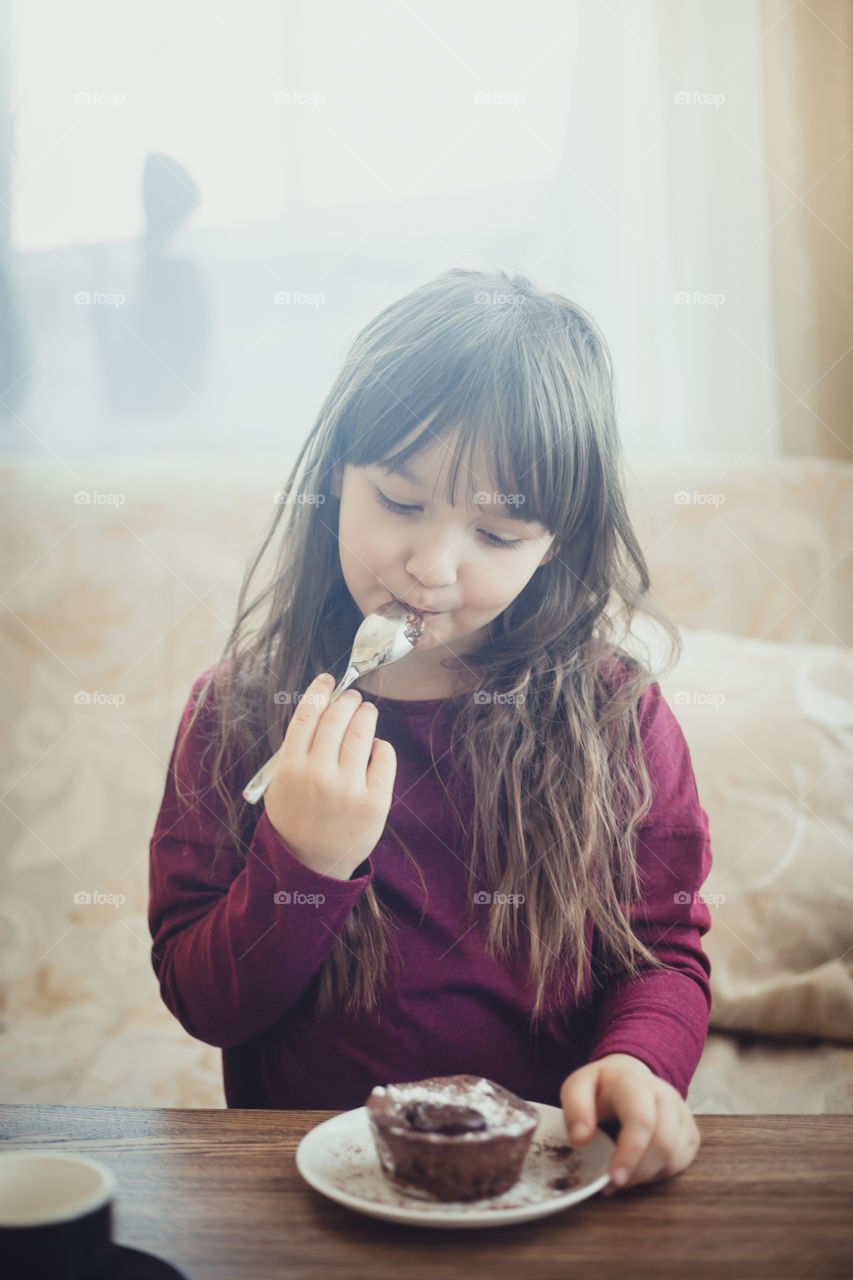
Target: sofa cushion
x=770, y=732
x=758, y=547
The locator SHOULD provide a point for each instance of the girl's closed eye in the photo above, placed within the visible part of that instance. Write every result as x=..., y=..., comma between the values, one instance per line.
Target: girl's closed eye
x=403, y=510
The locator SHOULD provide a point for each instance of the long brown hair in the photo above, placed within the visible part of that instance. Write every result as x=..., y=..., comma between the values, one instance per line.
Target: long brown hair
x=552, y=752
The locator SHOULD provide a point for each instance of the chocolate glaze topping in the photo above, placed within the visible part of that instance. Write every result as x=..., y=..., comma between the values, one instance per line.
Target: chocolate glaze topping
x=443, y=1117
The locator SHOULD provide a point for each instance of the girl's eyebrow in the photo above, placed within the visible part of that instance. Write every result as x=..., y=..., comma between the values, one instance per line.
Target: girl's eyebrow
x=501, y=510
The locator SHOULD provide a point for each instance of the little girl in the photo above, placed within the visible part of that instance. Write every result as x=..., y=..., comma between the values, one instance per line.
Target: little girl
x=486, y=860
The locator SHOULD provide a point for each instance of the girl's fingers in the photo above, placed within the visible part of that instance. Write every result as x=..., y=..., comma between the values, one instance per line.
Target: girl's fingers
x=382, y=769
x=357, y=743
x=638, y=1118
x=673, y=1147
x=577, y=1097
x=326, y=747
x=304, y=721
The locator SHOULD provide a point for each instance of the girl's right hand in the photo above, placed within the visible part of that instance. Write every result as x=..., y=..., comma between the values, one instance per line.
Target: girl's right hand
x=331, y=792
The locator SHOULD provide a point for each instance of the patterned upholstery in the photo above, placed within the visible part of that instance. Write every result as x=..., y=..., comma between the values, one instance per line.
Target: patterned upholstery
x=122, y=576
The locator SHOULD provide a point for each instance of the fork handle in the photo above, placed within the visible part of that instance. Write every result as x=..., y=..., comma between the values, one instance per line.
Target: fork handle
x=262, y=779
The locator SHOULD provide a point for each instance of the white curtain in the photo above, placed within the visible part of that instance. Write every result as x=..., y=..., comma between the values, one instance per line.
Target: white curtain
x=612, y=151
x=657, y=219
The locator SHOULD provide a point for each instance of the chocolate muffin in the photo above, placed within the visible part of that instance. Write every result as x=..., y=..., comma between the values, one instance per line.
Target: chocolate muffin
x=451, y=1137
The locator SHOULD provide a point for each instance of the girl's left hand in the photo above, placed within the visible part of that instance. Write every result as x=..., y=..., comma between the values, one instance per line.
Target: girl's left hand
x=658, y=1136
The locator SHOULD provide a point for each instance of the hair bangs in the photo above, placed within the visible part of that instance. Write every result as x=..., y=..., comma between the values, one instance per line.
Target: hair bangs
x=497, y=419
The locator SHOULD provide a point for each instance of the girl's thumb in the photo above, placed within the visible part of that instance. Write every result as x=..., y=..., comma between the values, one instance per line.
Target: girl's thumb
x=578, y=1098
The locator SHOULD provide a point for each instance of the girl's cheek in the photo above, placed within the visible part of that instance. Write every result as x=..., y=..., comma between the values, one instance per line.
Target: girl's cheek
x=367, y=561
x=375, y=552
x=492, y=590
x=357, y=541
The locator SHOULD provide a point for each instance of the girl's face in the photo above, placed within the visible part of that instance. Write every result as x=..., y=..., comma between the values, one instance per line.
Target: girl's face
x=466, y=563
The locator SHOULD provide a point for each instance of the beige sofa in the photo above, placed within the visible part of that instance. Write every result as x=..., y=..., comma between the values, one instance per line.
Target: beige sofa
x=120, y=578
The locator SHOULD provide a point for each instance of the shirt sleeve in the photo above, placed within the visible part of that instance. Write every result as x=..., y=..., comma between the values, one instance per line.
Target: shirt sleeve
x=234, y=948
x=661, y=1017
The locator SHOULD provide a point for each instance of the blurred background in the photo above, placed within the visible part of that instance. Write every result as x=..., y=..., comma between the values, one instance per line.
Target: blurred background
x=201, y=203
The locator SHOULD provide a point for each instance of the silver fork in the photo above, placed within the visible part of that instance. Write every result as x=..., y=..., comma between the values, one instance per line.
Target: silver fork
x=385, y=636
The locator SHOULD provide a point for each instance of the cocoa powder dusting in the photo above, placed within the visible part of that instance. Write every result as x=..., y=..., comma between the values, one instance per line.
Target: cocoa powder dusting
x=550, y=1170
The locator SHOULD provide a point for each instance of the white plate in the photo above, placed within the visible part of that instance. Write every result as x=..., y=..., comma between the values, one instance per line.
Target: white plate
x=338, y=1158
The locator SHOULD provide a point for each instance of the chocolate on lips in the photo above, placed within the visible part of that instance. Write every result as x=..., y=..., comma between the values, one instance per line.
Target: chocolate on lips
x=451, y=1138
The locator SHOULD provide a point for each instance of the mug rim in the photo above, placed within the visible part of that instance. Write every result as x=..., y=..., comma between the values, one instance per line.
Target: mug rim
x=80, y=1207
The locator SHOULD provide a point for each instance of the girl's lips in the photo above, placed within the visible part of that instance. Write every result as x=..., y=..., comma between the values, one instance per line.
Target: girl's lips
x=427, y=613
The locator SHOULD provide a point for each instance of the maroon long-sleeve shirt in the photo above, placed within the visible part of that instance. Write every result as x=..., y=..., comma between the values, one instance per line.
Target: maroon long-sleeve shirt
x=237, y=950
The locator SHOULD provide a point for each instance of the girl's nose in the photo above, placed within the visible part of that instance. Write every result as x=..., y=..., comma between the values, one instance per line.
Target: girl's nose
x=434, y=562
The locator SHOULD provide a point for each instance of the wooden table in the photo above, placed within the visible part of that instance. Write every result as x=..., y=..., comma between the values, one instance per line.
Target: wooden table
x=217, y=1193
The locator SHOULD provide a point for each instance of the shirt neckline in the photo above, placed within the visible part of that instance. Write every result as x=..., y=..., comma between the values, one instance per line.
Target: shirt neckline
x=410, y=706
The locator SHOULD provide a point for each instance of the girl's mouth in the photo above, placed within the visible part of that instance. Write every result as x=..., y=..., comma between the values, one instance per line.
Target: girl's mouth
x=425, y=613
